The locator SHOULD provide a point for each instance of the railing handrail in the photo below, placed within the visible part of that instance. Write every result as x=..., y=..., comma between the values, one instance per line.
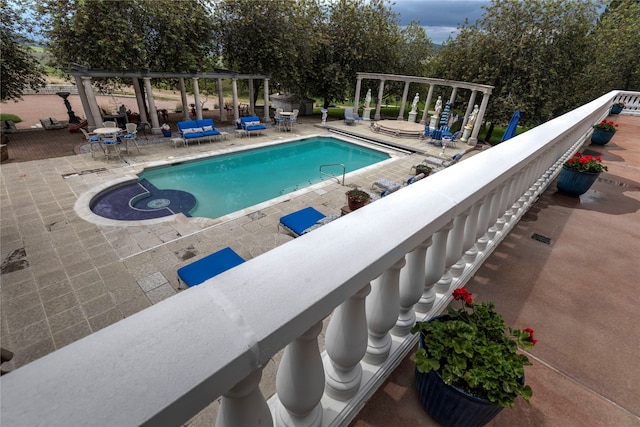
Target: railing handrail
x=164, y=364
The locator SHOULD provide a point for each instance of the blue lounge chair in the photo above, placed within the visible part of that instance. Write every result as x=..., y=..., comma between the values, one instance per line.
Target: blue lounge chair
x=304, y=221
x=218, y=262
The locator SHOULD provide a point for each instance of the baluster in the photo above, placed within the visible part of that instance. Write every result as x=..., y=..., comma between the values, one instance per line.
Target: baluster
x=484, y=220
x=470, y=232
x=244, y=405
x=496, y=204
x=434, y=268
x=300, y=381
x=411, y=287
x=454, y=251
x=470, y=222
x=346, y=344
x=382, y=311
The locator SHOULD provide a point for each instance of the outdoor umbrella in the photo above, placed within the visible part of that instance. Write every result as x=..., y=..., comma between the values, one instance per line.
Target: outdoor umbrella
x=510, y=132
x=444, y=118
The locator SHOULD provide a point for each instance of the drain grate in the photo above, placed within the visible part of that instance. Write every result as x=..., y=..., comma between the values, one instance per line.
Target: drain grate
x=540, y=238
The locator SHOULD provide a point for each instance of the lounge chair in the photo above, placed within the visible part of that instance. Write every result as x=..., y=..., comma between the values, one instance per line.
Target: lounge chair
x=304, y=220
x=218, y=262
x=439, y=164
x=348, y=116
x=389, y=186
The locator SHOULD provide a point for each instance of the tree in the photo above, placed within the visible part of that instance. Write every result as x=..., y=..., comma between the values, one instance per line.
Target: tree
x=19, y=68
x=614, y=43
x=532, y=52
x=160, y=35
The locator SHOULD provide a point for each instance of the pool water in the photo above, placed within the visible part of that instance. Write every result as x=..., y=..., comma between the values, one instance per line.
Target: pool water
x=231, y=182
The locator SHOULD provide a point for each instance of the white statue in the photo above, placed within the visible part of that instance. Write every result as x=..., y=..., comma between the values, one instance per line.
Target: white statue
x=414, y=106
x=367, y=99
x=473, y=116
x=438, y=106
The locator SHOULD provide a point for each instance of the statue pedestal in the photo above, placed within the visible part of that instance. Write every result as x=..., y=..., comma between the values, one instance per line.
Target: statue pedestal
x=412, y=116
x=465, y=134
x=433, y=123
x=366, y=114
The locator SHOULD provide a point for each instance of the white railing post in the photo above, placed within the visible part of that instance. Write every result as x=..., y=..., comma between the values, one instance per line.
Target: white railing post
x=485, y=220
x=382, y=312
x=244, y=405
x=454, y=251
x=434, y=269
x=346, y=343
x=470, y=231
x=411, y=287
x=300, y=382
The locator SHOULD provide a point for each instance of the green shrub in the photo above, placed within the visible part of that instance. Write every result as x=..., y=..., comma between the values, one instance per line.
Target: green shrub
x=12, y=117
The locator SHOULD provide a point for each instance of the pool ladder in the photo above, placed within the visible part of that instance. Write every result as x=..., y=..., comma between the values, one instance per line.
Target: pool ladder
x=344, y=171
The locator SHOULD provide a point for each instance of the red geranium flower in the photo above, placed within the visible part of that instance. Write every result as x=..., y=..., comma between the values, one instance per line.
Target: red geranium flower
x=462, y=294
x=530, y=332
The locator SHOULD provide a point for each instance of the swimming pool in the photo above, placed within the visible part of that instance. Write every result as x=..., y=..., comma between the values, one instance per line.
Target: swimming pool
x=223, y=184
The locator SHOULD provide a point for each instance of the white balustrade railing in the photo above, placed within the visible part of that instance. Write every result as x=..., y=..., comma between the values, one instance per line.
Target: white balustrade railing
x=376, y=271
x=631, y=101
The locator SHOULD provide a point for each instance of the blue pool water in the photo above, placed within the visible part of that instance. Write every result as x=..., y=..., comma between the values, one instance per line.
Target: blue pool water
x=231, y=182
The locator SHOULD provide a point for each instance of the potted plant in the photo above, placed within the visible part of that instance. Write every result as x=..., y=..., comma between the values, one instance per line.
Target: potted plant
x=357, y=198
x=617, y=108
x=603, y=132
x=579, y=173
x=166, y=129
x=468, y=367
x=422, y=168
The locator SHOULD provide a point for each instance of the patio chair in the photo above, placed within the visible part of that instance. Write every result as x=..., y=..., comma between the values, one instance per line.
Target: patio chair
x=205, y=268
x=109, y=124
x=389, y=186
x=348, y=116
x=293, y=119
x=95, y=142
x=111, y=145
x=131, y=135
x=304, y=220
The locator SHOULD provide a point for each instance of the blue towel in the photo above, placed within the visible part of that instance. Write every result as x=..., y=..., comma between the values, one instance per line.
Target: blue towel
x=209, y=266
x=300, y=220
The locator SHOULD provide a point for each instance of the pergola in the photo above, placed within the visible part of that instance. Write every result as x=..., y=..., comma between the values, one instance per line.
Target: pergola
x=84, y=75
x=475, y=88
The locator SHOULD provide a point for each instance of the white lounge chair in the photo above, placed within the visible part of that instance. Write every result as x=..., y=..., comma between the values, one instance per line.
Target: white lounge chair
x=348, y=116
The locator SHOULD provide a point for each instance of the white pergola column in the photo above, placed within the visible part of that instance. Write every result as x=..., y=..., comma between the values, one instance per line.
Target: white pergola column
x=346, y=344
x=382, y=312
x=411, y=288
x=244, y=405
x=434, y=268
x=252, y=104
x=454, y=92
x=427, y=103
x=142, y=107
x=185, y=102
x=467, y=113
x=196, y=98
x=405, y=93
x=266, y=116
x=223, y=112
x=234, y=93
x=155, y=126
x=300, y=382
x=476, y=128
x=93, y=103
x=91, y=124
x=380, y=94
x=356, y=97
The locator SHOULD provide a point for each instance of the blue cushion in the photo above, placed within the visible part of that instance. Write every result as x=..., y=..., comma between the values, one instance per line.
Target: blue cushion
x=218, y=262
x=300, y=220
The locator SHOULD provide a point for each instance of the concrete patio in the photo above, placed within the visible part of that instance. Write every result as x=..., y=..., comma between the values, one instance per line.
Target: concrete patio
x=64, y=278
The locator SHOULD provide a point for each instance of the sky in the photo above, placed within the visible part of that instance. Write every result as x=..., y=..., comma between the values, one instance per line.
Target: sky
x=439, y=17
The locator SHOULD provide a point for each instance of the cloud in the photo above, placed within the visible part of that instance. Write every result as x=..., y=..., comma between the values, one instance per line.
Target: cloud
x=439, y=17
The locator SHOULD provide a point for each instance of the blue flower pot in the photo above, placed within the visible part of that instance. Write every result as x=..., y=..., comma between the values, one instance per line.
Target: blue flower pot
x=615, y=109
x=575, y=183
x=601, y=136
x=166, y=133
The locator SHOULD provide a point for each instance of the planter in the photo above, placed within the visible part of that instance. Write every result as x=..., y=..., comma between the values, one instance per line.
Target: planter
x=575, y=183
x=166, y=133
x=601, y=136
x=449, y=405
x=356, y=202
x=615, y=109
